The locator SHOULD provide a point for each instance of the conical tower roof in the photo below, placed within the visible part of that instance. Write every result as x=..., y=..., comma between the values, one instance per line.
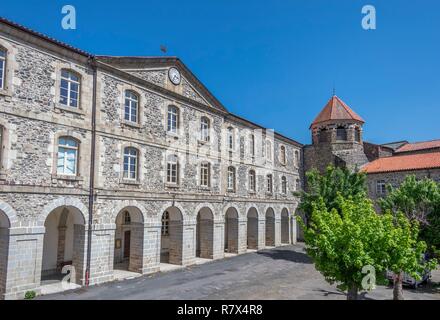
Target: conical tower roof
x=336, y=109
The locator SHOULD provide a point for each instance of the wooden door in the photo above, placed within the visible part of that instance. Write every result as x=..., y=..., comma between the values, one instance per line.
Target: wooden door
x=127, y=236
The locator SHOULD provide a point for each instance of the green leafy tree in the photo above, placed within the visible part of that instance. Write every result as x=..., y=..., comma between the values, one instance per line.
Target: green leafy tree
x=403, y=250
x=341, y=243
x=327, y=187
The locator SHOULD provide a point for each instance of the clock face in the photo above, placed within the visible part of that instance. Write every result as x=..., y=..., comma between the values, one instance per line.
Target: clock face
x=174, y=75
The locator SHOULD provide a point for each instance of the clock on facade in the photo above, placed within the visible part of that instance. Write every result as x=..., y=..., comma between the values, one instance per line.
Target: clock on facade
x=174, y=76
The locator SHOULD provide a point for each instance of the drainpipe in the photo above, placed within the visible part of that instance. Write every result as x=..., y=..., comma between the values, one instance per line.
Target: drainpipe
x=92, y=64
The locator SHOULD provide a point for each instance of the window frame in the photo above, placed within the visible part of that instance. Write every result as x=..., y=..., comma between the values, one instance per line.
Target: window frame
x=66, y=147
x=269, y=183
x=252, y=177
x=205, y=177
x=231, y=179
x=3, y=61
x=173, y=126
x=165, y=224
x=381, y=187
x=131, y=100
x=283, y=156
x=172, y=169
x=205, y=127
x=126, y=174
x=230, y=138
x=269, y=150
x=252, y=145
x=344, y=136
x=69, y=89
x=284, y=185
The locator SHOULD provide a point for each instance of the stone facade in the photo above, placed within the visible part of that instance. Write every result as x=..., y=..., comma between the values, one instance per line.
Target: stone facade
x=48, y=220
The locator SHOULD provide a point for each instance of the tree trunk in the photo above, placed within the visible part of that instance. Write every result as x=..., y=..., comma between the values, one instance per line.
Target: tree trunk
x=398, y=290
x=352, y=293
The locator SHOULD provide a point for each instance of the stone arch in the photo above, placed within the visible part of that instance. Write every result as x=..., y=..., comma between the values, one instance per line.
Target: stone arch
x=185, y=218
x=231, y=217
x=63, y=202
x=270, y=227
x=64, y=241
x=285, y=226
x=252, y=228
x=127, y=204
x=9, y=213
x=172, y=220
x=129, y=238
x=205, y=233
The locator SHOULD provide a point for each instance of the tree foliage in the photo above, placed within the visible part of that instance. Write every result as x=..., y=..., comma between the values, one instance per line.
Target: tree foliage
x=418, y=200
x=327, y=187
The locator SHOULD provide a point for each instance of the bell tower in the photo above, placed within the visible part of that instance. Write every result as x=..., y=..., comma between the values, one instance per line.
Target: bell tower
x=336, y=138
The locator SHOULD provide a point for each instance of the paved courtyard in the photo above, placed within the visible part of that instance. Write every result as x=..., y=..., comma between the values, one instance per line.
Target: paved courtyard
x=278, y=273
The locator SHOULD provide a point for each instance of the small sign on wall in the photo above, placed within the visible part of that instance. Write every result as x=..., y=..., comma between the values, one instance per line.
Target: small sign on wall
x=118, y=243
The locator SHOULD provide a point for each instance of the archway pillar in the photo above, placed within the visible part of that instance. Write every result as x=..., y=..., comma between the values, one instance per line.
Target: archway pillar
x=293, y=229
x=24, y=261
x=242, y=235
x=277, y=231
x=151, y=248
x=219, y=240
x=261, y=232
x=102, y=253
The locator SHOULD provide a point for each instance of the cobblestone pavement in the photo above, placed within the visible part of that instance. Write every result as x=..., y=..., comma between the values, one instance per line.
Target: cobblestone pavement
x=279, y=273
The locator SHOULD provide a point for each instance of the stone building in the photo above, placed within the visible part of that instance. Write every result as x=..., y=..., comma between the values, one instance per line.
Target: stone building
x=127, y=163
x=337, y=140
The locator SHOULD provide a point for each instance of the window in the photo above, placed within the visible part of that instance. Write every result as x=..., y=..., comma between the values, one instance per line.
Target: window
x=127, y=218
x=173, y=119
x=252, y=181
x=298, y=185
x=205, y=174
x=130, y=163
x=297, y=159
x=204, y=129
x=67, y=156
x=69, y=89
x=231, y=179
x=230, y=138
x=2, y=68
x=269, y=183
x=381, y=187
x=341, y=134
x=172, y=169
x=165, y=223
x=283, y=154
x=268, y=150
x=283, y=185
x=252, y=145
x=357, y=135
x=131, y=106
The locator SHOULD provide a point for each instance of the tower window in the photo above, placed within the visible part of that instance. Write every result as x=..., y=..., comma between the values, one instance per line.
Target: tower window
x=357, y=135
x=341, y=134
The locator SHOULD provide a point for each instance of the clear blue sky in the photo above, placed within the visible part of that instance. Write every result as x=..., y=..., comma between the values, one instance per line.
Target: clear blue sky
x=275, y=62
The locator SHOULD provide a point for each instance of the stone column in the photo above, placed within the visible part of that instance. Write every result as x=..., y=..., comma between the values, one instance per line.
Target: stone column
x=218, y=240
x=261, y=232
x=242, y=235
x=277, y=232
x=24, y=262
x=293, y=230
x=80, y=253
x=188, y=244
x=103, y=247
x=136, y=260
x=151, y=248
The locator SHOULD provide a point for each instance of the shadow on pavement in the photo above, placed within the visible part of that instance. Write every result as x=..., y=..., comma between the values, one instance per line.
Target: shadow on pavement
x=288, y=255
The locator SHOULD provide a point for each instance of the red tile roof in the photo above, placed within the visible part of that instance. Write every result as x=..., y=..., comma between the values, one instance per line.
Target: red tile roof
x=404, y=163
x=336, y=109
x=419, y=146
